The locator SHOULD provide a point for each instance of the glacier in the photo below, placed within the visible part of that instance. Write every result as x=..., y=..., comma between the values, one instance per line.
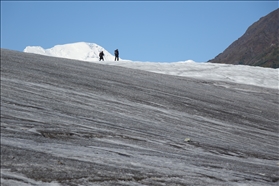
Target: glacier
x=72, y=122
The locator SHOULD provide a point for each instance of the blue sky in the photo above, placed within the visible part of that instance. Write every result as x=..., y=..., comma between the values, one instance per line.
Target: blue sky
x=156, y=31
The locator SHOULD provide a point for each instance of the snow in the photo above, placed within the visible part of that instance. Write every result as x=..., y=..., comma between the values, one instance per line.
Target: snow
x=258, y=76
x=80, y=51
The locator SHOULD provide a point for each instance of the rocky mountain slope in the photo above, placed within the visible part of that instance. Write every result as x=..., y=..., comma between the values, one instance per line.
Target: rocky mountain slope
x=257, y=47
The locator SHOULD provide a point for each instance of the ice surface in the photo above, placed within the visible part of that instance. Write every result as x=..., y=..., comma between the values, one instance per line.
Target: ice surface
x=68, y=122
x=258, y=76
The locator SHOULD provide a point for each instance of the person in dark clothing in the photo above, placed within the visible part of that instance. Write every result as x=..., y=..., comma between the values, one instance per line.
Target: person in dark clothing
x=101, y=55
x=116, y=54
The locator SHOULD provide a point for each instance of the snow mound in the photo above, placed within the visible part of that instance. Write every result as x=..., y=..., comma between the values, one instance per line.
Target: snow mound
x=79, y=51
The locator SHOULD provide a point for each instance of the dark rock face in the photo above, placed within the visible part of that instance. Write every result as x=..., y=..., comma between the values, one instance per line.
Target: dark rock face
x=67, y=122
x=257, y=47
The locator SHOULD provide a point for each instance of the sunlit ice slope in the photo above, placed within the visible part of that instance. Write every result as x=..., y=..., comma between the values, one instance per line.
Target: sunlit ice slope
x=248, y=75
x=68, y=122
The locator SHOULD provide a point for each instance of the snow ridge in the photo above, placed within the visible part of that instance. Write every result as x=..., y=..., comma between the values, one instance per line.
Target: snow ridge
x=80, y=51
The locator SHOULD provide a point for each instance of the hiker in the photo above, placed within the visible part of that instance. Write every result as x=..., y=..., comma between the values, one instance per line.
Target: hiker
x=116, y=53
x=101, y=55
